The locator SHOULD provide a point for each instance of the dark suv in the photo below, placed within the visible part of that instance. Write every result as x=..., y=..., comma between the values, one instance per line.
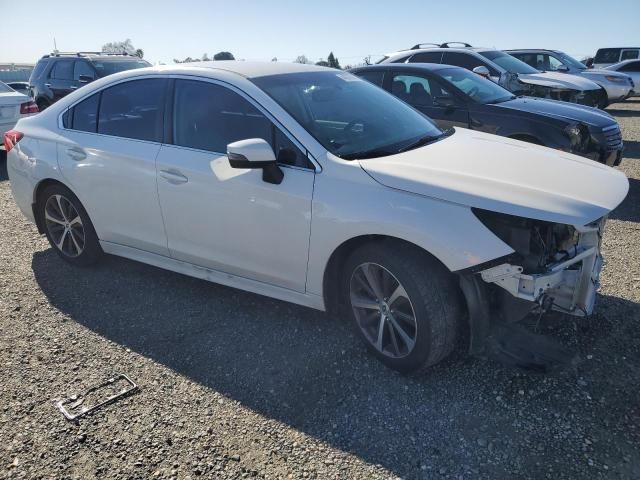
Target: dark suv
x=58, y=74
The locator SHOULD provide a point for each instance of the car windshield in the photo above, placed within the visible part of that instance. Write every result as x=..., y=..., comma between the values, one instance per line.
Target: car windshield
x=571, y=61
x=108, y=66
x=350, y=117
x=4, y=88
x=473, y=85
x=509, y=63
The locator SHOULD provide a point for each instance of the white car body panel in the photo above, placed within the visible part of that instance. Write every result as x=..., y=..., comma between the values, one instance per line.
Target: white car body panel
x=635, y=76
x=558, y=80
x=228, y=226
x=10, y=109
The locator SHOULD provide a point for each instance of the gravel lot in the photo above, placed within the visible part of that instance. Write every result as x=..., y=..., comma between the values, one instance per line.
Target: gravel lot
x=236, y=385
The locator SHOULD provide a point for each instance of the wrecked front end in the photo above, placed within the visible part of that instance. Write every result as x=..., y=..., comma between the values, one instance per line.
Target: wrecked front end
x=554, y=267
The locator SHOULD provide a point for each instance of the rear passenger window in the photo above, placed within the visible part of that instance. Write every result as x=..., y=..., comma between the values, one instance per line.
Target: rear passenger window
x=373, y=77
x=607, y=55
x=62, y=70
x=630, y=67
x=133, y=109
x=85, y=115
x=426, y=57
x=209, y=117
x=629, y=55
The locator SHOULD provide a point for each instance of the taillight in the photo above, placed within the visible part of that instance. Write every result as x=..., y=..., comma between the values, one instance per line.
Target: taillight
x=11, y=138
x=29, y=107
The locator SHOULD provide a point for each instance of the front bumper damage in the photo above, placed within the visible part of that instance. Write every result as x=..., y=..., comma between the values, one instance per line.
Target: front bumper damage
x=502, y=295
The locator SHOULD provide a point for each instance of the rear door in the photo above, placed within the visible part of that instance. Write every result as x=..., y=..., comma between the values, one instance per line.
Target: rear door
x=424, y=93
x=107, y=157
x=61, y=81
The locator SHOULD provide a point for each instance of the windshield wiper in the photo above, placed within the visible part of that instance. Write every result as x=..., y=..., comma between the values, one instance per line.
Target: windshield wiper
x=373, y=153
x=420, y=142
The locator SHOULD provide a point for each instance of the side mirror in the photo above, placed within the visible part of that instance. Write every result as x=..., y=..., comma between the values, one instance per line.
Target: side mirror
x=482, y=71
x=447, y=102
x=255, y=153
x=85, y=79
x=562, y=69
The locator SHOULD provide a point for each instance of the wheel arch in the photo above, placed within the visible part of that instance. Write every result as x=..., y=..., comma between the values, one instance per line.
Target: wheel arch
x=37, y=192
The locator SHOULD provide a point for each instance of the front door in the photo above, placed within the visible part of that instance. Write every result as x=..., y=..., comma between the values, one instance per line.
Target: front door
x=228, y=219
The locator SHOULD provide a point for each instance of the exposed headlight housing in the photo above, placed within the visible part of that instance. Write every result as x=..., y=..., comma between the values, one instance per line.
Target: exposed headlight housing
x=611, y=78
x=579, y=136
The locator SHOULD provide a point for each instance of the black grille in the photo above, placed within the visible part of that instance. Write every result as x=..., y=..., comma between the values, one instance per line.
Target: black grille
x=594, y=98
x=613, y=136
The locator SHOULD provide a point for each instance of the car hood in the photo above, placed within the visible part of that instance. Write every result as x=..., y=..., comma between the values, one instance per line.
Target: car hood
x=558, y=80
x=566, y=111
x=503, y=175
x=598, y=72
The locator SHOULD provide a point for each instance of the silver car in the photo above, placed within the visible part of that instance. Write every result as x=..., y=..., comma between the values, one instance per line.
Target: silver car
x=618, y=86
x=631, y=68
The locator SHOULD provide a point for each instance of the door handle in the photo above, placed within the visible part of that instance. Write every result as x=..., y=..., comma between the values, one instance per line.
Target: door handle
x=47, y=85
x=72, y=88
x=174, y=177
x=76, y=154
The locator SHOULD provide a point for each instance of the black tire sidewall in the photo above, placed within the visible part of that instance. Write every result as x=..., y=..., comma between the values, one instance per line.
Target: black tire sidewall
x=92, y=250
x=425, y=301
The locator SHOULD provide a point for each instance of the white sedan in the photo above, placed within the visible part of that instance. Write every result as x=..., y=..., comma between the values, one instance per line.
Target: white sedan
x=310, y=185
x=630, y=68
x=13, y=107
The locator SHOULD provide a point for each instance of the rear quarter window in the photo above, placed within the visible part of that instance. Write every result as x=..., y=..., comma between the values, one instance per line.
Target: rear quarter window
x=41, y=66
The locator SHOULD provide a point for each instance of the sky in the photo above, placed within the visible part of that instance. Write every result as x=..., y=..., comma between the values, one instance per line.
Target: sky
x=352, y=29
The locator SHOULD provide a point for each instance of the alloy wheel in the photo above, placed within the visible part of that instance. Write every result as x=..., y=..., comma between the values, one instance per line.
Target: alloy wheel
x=64, y=225
x=383, y=310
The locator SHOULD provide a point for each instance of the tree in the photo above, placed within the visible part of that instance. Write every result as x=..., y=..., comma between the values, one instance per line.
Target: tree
x=301, y=59
x=322, y=63
x=274, y=59
x=139, y=53
x=205, y=57
x=333, y=61
x=120, y=47
x=223, y=56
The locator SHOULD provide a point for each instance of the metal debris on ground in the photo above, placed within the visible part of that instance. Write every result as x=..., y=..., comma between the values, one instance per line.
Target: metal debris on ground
x=117, y=387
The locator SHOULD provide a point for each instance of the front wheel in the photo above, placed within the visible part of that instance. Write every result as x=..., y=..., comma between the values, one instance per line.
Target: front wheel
x=67, y=226
x=405, y=305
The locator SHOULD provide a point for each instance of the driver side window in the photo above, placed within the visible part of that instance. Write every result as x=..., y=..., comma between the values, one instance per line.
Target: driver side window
x=208, y=117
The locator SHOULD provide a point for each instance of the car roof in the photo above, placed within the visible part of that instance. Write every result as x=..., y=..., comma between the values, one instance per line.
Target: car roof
x=532, y=50
x=412, y=51
x=432, y=67
x=248, y=69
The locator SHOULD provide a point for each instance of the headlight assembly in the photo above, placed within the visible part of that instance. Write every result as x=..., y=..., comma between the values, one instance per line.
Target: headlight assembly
x=578, y=136
x=616, y=79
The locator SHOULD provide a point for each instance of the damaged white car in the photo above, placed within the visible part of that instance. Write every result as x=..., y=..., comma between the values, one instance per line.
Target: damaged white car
x=313, y=186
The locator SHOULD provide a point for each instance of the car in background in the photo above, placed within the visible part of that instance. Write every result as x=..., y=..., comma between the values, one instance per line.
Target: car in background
x=456, y=97
x=20, y=87
x=508, y=71
x=311, y=185
x=13, y=107
x=631, y=68
x=608, y=56
x=618, y=86
x=58, y=74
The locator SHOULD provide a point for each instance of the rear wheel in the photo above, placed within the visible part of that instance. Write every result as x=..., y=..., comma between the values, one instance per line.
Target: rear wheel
x=42, y=104
x=405, y=305
x=67, y=226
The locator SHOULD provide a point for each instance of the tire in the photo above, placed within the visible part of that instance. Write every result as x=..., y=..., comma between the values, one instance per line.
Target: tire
x=67, y=226
x=432, y=296
x=42, y=104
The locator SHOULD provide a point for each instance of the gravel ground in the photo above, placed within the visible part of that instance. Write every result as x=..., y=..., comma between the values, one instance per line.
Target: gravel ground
x=235, y=385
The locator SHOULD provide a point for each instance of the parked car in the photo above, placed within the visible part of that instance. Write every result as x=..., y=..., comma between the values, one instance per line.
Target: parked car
x=313, y=186
x=58, y=74
x=20, y=87
x=456, y=97
x=13, y=106
x=618, y=86
x=630, y=68
x=508, y=71
x=608, y=56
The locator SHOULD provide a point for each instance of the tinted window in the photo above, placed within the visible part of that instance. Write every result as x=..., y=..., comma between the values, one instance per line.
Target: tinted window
x=629, y=55
x=509, y=63
x=209, y=117
x=630, y=67
x=467, y=61
x=40, y=67
x=414, y=90
x=133, y=110
x=373, y=77
x=474, y=86
x=607, y=55
x=426, y=57
x=397, y=60
x=83, y=69
x=4, y=88
x=108, y=66
x=84, y=115
x=62, y=70
x=350, y=117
